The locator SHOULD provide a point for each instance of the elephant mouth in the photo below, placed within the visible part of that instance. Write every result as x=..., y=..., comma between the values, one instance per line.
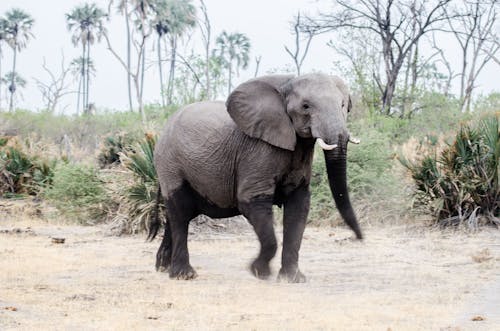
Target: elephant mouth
x=304, y=132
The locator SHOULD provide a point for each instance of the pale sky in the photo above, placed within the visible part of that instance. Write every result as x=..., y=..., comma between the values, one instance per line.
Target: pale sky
x=265, y=22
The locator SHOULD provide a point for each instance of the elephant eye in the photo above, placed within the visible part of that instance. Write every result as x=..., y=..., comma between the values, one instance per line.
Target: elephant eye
x=305, y=106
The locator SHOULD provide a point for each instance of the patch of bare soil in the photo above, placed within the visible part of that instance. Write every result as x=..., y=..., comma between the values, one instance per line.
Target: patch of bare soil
x=399, y=278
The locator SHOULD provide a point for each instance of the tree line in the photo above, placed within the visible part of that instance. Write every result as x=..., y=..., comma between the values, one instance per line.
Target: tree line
x=165, y=21
x=392, y=47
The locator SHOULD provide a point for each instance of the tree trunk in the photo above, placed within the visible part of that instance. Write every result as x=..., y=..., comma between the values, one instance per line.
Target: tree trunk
x=12, y=87
x=388, y=95
x=143, y=69
x=406, y=104
x=139, y=100
x=160, y=69
x=414, y=78
x=129, y=83
x=78, y=98
x=84, y=61
x=207, y=70
x=229, y=83
x=462, y=76
x=171, y=78
x=88, y=78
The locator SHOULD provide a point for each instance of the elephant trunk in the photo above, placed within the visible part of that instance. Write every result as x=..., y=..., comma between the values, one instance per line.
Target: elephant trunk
x=336, y=163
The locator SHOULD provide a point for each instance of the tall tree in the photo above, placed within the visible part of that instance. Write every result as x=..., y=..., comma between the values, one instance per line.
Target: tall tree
x=19, y=81
x=140, y=12
x=161, y=26
x=173, y=18
x=234, y=48
x=206, y=34
x=142, y=9
x=398, y=24
x=18, y=28
x=3, y=38
x=77, y=66
x=86, y=23
x=474, y=29
x=123, y=8
x=181, y=15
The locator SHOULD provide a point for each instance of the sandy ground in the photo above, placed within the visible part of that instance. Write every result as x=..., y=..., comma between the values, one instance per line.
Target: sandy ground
x=399, y=278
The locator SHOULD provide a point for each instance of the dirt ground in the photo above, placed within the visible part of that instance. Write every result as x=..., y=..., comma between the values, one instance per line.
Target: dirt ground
x=399, y=278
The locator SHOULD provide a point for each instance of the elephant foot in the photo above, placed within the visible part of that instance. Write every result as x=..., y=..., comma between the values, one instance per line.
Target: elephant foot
x=184, y=272
x=260, y=269
x=291, y=276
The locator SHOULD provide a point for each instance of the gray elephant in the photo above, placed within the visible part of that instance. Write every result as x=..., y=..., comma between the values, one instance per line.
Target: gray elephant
x=243, y=157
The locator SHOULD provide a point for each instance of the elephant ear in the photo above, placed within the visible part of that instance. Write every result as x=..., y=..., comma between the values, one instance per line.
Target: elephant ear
x=259, y=111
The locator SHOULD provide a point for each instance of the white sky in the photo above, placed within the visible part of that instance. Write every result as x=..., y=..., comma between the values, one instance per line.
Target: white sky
x=266, y=22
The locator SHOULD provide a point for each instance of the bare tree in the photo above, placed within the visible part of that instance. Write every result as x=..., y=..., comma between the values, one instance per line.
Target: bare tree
x=473, y=26
x=298, y=59
x=56, y=87
x=365, y=61
x=136, y=73
x=398, y=24
x=450, y=74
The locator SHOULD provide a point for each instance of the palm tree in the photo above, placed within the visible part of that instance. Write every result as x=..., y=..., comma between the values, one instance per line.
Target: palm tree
x=77, y=67
x=182, y=19
x=173, y=19
x=3, y=38
x=234, y=47
x=18, y=26
x=161, y=26
x=14, y=76
x=86, y=23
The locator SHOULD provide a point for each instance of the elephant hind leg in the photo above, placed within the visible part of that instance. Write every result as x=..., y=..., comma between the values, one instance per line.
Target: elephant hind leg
x=164, y=255
x=173, y=254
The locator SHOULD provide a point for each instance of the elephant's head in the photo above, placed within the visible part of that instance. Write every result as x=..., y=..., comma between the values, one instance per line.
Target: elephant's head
x=280, y=108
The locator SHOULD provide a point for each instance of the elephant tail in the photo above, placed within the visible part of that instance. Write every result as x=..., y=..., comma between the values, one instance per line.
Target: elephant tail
x=155, y=223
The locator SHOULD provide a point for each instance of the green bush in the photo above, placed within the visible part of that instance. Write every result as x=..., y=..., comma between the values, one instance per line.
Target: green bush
x=460, y=184
x=114, y=145
x=78, y=193
x=21, y=173
x=138, y=197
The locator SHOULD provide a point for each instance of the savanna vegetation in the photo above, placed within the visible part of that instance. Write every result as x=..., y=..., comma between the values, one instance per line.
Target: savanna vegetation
x=430, y=145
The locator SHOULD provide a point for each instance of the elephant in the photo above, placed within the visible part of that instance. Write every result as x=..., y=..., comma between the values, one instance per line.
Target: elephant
x=244, y=156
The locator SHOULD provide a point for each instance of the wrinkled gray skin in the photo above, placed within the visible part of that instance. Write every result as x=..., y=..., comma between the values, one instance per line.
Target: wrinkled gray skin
x=241, y=160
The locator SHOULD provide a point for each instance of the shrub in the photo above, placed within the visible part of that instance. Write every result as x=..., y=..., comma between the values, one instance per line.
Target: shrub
x=77, y=192
x=138, y=198
x=21, y=173
x=460, y=184
x=114, y=145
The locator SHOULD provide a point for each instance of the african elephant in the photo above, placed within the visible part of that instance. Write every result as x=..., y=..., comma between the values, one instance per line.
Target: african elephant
x=244, y=156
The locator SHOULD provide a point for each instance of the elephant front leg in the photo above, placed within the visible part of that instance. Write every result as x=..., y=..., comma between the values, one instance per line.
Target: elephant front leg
x=259, y=213
x=296, y=209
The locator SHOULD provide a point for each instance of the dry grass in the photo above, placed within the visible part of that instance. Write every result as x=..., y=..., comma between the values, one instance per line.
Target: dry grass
x=400, y=278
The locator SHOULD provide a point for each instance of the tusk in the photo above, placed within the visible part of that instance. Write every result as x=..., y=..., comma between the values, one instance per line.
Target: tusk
x=324, y=145
x=354, y=140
